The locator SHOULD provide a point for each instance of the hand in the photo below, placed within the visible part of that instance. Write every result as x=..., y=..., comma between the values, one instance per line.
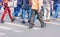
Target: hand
x=0, y=4
x=38, y=11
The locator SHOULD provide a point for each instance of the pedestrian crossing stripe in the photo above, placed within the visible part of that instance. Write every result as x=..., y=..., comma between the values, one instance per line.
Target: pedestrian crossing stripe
x=23, y=26
x=1, y=34
x=9, y=28
x=56, y=23
x=14, y=24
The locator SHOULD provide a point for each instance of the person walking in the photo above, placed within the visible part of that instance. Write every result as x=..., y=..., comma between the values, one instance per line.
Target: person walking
x=6, y=10
x=36, y=7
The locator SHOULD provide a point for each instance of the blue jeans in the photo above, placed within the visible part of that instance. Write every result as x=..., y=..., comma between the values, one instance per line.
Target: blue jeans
x=56, y=6
x=23, y=14
x=29, y=14
x=51, y=12
x=16, y=11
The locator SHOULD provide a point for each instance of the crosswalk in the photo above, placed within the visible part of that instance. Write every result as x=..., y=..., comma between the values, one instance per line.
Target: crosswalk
x=15, y=27
x=2, y=34
x=9, y=28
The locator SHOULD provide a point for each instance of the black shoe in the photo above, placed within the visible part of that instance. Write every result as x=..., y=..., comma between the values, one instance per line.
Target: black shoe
x=13, y=20
x=2, y=21
x=23, y=21
x=28, y=21
x=43, y=25
x=31, y=26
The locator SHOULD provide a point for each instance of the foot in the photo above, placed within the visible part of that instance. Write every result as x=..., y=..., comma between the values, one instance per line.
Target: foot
x=2, y=21
x=23, y=21
x=28, y=21
x=31, y=26
x=43, y=25
x=48, y=20
x=13, y=20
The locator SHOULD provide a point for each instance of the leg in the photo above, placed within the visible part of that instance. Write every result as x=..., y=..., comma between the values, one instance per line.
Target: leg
x=48, y=13
x=45, y=13
x=48, y=17
x=10, y=15
x=21, y=11
x=32, y=19
x=35, y=18
x=41, y=20
x=23, y=15
x=3, y=15
x=29, y=14
x=9, y=12
x=15, y=12
x=51, y=12
x=56, y=10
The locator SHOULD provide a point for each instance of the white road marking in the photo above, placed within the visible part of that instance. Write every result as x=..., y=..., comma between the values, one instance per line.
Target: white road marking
x=7, y=28
x=36, y=28
x=14, y=24
x=3, y=27
x=17, y=31
x=51, y=23
x=1, y=34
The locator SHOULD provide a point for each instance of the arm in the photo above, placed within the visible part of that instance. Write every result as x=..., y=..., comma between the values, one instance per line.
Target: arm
x=30, y=2
x=52, y=4
x=40, y=4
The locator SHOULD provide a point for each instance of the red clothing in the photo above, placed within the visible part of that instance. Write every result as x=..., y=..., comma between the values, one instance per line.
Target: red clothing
x=6, y=10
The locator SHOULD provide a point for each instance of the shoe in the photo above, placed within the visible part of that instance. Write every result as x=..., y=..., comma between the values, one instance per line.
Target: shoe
x=2, y=21
x=28, y=21
x=31, y=26
x=43, y=25
x=13, y=20
x=23, y=21
x=47, y=20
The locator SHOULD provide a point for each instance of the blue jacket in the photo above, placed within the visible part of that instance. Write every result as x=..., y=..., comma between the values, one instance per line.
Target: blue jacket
x=25, y=4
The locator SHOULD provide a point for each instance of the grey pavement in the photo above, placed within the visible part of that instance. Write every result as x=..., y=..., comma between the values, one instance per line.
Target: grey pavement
x=17, y=29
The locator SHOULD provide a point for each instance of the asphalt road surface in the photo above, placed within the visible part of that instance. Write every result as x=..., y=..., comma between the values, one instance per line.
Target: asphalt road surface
x=17, y=29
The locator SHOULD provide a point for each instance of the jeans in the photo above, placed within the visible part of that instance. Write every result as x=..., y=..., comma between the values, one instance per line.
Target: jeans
x=23, y=14
x=51, y=12
x=16, y=11
x=56, y=6
x=29, y=14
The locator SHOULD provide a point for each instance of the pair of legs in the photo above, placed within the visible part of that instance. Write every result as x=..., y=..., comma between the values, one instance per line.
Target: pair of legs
x=46, y=11
x=29, y=15
x=35, y=12
x=6, y=10
x=56, y=8
x=23, y=15
x=17, y=10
